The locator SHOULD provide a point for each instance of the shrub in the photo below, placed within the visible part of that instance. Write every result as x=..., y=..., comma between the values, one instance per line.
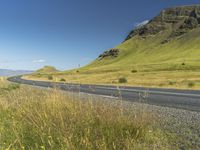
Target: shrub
x=62, y=80
x=183, y=64
x=122, y=80
x=161, y=84
x=134, y=71
x=191, y=84
x=172, y=82
x=50, y=77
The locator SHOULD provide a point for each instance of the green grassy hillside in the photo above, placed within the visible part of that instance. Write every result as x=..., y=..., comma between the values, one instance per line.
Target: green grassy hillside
x=148, y=54
x=165, y=53
x=168, y=40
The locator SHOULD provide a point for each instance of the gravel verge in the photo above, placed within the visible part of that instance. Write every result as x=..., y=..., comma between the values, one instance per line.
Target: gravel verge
x=182, y=126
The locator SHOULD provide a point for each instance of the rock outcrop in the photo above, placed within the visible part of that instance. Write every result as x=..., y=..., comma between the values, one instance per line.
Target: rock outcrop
x=110, y=53
x=181, y=19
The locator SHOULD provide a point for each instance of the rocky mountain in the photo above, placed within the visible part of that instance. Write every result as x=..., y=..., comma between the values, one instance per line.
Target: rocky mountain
x=173, y=23
x=180, y=19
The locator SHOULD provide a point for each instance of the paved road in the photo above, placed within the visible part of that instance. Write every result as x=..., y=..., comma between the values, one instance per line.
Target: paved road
x=183, y=99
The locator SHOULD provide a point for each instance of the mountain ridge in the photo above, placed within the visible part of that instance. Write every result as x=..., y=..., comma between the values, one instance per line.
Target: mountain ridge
x=183, y=17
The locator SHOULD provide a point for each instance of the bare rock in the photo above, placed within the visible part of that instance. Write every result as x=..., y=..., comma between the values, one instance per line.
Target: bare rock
x=181, y=19
x=110, y=53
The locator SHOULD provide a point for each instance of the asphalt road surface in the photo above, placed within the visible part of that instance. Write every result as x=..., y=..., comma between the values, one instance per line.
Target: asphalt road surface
x=182, y=99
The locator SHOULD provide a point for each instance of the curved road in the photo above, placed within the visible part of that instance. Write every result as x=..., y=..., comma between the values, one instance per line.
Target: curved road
x=183, y=99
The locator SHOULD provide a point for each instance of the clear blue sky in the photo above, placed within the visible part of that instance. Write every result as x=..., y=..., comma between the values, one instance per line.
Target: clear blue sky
x=65, y=33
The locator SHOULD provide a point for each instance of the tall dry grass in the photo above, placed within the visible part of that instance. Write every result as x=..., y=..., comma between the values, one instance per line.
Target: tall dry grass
x=33, y=118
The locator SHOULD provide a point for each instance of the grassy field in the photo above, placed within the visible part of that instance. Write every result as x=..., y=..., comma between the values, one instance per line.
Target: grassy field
x=142, y=62
x=32, y=118
x=163, y=79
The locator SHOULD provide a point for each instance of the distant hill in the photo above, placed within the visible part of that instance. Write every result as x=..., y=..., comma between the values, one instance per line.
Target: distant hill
x=6, y=72
x=47, y=69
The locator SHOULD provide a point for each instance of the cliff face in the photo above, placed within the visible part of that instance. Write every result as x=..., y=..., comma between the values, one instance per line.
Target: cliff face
x=179, y=19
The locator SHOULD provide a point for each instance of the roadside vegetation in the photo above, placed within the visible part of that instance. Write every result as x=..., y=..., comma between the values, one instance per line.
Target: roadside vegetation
x=32, y=118
x=163, y=79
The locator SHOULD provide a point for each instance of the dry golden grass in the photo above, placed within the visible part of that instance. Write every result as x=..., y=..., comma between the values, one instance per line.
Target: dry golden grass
x=164, y=79
x=33, y=118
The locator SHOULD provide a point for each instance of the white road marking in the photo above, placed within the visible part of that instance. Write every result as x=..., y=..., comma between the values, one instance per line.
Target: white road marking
x=135, y=90
x=112, y=97
x=150, y=91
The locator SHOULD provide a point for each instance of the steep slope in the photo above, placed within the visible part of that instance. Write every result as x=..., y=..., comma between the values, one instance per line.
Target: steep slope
x=171, y=37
